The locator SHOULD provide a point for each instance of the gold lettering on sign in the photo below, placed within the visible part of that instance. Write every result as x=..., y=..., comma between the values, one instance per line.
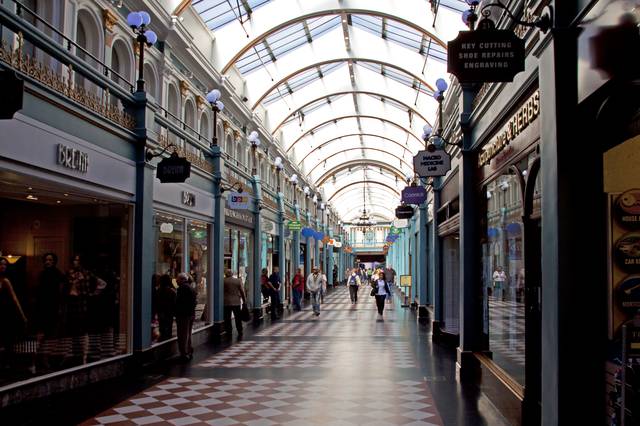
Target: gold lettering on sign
x=518, y=122
x=64, y=85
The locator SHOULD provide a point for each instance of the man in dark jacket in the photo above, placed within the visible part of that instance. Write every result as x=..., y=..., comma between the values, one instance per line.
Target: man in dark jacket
x=274, y=280
x=185, y=314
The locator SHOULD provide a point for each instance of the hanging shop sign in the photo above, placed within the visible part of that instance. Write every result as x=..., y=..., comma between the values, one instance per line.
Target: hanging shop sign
x=238, y=200
x=525, y=115
x=405, y=280
x=294, y=225
x=404, y=212
x=173, y=169
x=428, y=164
x=485, y=55
x=73, y=159
x=627, y=252
x=628, y=293
x=337, y=244
x=627, y=209
x=414, y=195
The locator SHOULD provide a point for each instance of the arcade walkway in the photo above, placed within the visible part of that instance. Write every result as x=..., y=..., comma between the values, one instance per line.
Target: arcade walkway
x=341, y=368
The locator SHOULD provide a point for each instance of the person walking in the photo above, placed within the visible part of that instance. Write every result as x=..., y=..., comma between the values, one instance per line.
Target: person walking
x=298, y=290
x=274, y=280
x=390, y=276
x=380, y=289
x=353, y=283
x=165, y=306
x=185, y=315
x=234, y=297
x=314, y=285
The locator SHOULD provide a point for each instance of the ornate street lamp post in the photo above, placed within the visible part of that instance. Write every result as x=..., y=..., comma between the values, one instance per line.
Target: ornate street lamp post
x=139, y=21
x=213, y=97
x=279, y=166
x=254, y=139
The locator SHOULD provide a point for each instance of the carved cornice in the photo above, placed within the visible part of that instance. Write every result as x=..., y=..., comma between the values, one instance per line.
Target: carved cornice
x=236, y=135
x=200, y=102
x=184, y=88
x=110, y=19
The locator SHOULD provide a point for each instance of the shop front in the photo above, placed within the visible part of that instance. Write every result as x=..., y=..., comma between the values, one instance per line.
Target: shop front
x=182, y=228
x=510, y=230
x=238, y=247
x=66, y=232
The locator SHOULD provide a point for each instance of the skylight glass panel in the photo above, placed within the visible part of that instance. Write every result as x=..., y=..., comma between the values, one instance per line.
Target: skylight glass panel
x=300, y=81
x=218, y=13
x=397, y=76
x=285, y=41
x=455, y=5
x=313, y=107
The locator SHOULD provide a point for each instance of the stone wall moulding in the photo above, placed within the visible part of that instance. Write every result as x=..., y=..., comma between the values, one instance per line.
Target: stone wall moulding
x=110, y=19
x=184, y=88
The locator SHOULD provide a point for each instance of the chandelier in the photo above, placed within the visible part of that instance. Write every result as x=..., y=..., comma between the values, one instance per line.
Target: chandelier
x=365, y=221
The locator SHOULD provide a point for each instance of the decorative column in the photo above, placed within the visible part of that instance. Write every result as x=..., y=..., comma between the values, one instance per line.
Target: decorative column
x=470, y=306
x=281, y=253
x=257, y=249
x=144, y=236
x=331, y=262
x=434, y=261
x=295, y=250
x=307, y=253
x=217, y=253
x=424, y=299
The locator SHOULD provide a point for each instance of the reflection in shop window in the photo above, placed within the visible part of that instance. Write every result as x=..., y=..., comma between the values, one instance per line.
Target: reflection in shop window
x=64, y=281
x=198, y=267
x=503, y=274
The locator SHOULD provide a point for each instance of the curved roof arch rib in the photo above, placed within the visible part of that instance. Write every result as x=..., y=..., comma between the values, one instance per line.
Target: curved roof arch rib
x=359, y=163
x=341, y=139
x=362, y=182
x=410, y=135
x=325, y=66
x=274, y=17
x=323, y=99
x=353, y=213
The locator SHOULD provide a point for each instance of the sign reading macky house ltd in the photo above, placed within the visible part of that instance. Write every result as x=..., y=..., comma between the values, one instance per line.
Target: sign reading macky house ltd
x=485, y=55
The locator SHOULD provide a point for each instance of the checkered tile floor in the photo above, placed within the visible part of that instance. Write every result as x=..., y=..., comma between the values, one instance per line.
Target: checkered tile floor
x=185, y=401
x=340, y=376
x=306, y=354
x=507, y=329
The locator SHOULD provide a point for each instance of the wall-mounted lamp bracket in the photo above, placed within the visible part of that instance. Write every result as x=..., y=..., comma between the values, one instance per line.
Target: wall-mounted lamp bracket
x=149, y=155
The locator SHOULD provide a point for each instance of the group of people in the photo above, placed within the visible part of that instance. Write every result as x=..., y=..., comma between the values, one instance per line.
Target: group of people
x=176, y=301
x=57, y=315
x=381, y=282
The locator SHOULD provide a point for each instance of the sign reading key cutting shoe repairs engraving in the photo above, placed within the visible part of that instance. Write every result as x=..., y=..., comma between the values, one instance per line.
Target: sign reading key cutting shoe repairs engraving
x=485, y=55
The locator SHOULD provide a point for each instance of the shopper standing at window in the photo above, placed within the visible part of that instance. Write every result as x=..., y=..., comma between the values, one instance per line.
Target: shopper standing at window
x=298, y=290
x=233, y=298
x=165, y=306
x=274, y=280
x=380, y=291
x=185, y=315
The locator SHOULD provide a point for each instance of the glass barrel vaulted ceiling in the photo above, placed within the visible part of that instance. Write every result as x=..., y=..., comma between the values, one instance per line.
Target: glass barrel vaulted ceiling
x=346, y=85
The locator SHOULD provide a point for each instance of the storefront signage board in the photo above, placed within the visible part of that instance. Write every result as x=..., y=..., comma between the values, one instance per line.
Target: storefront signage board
x=188, y=198
x=294, y=225
x=238, y=200
x=428, y=164
x=404, y=212
x=73, y=158
x=413, y=195
x=173, y=169
x=238, y=217
x=405, y=280
x=485, y=55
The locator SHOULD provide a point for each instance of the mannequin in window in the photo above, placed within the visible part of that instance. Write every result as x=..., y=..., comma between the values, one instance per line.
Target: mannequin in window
x=77, y=295
x=499, y=281
x=13, y=321
x=49, y=304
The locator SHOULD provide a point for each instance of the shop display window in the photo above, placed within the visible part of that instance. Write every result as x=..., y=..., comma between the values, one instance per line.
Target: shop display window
x=180, y=242
x=65, y=275
x=451, y=283
x=237, y=243
x=503, y=274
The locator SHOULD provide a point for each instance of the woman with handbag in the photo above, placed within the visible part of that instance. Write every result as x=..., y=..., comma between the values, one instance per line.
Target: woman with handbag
x=233, y=298
x=380, y=289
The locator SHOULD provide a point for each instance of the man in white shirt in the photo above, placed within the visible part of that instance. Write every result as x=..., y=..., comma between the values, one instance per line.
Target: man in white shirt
x=314, y=285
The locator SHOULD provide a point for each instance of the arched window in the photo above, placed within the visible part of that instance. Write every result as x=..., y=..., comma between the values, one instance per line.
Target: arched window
x=89, y=40
x=204, y=126
x=228, y=146
x=121, y=64
x=238, y=154
x=190, y=116
x=172, y=103
x=150, y=81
